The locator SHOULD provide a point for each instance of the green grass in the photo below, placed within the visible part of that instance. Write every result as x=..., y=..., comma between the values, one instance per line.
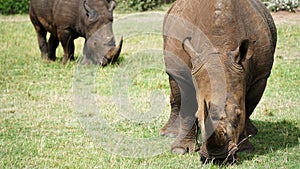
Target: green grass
x=39, y=127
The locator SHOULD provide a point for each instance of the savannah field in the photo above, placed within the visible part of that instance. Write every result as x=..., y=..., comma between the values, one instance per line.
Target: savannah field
x=60, y=116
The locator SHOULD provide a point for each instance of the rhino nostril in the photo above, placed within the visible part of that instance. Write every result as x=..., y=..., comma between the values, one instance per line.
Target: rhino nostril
x=111, y=42
x=104, y=61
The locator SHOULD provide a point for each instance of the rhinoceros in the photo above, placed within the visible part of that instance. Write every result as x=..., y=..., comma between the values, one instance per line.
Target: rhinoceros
x=70, y=19
x=218, y=55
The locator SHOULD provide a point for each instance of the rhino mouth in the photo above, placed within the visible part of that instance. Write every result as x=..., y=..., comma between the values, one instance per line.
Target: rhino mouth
x=219, y=155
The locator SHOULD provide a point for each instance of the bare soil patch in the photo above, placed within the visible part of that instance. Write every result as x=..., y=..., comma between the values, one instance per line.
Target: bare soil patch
x=284, y=17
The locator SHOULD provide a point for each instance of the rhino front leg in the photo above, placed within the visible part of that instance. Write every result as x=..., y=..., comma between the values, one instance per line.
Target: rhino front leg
x=67, y=41
x=186, y=140
x=171, y=128
x=253, y=96
x=52, y=45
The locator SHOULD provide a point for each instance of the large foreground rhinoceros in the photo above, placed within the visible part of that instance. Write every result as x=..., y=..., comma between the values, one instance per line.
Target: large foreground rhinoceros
x=70, y=19
x=218, y=55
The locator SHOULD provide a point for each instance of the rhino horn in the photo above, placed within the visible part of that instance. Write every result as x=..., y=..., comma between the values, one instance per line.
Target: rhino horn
x=205, y=110
x=209, y=127
x=114, y=54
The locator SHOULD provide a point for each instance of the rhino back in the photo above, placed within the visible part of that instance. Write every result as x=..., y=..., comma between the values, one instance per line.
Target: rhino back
x=55, y=14
x=226, y=22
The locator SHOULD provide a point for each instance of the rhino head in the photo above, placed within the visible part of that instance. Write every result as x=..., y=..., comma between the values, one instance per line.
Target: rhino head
x=221, y=86
x=99, y=47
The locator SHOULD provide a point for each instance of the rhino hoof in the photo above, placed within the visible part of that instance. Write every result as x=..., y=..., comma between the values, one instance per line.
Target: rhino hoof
x=171, y=134
x=185, y=146
x=170, y=129
x=251, y=129
x=247, y=147
x=179, y=150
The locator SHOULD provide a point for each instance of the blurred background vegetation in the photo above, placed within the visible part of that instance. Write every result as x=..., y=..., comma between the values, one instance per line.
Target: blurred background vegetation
x=8, y=7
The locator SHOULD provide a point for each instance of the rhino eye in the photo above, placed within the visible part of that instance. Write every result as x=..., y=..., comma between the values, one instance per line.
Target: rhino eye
x=235, y=114
x=236, y=121
x=110, y=18
x=90, y=12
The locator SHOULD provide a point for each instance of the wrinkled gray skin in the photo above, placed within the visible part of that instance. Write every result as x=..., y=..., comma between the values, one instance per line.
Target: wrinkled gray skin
x=70, y=19
x=218, y=55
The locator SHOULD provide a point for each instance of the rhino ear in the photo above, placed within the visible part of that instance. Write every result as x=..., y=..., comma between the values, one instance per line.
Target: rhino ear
x=112, y=5
x=206, y=110
x=244, y=51
x=91, y=13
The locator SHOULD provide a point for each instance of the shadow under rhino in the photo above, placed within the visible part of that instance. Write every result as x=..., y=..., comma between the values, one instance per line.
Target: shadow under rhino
x=273, y=136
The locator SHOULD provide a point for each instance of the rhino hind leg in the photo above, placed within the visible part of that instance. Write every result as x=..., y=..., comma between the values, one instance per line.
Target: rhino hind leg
x=42, y=41
x=171, y=127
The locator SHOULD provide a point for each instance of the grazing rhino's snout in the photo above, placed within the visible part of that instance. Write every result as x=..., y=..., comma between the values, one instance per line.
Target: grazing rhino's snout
x=221, y=155
x=97, y=51
x=220, y=134
x=100, y=47
x=219, y=148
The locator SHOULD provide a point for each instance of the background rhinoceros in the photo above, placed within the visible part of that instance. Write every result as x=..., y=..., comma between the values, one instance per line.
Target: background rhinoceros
x=219, y=55
x=68, y=20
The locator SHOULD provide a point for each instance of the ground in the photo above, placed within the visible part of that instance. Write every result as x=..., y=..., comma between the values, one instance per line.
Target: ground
x=282, y=17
